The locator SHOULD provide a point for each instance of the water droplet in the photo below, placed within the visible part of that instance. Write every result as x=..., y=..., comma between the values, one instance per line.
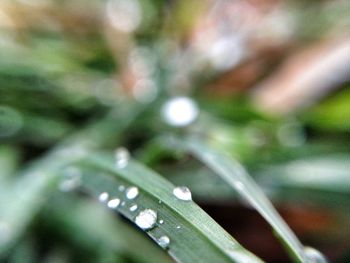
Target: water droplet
x=159, y=201
x=313, y=255
x=103, y=197
x=132, y=192
x=146, y=219
x=178, y=227
x=113, y=203
x=71, y=179
x=182, y=193
x=123, y=203
x=122, y=157
x=133, y=208
x=163, y=242
x=121, y=188
x=180, y=111
x=161, y=222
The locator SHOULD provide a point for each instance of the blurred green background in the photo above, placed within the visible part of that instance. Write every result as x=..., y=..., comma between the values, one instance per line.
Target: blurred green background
x=268, y=81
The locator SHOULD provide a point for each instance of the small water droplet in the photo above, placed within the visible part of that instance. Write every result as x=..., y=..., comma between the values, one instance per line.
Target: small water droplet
x=132, y=192
x=121, y=188
x=313, y=255
x=146, y=219
x=182, y=193
x=103, y=197
x=71, y=179
x=122, y=157
x=113, y=203
x=161, y=222
x=133, y=208
x=163, y=242
x=180, y=111
x=123, y=203
x=178, y=227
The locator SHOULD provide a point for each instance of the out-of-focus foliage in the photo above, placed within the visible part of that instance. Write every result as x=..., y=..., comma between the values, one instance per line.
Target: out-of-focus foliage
x=266, y=82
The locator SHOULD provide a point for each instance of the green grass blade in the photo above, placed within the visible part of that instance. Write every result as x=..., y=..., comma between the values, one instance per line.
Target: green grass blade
x=194, y=236
x=236, y=176
x=22, y=198
x=88, y=224
x=19, y=203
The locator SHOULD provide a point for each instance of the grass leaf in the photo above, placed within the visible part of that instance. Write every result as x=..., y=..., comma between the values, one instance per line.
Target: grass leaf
x=237, y=177
x=89, y=225
x=194, y=236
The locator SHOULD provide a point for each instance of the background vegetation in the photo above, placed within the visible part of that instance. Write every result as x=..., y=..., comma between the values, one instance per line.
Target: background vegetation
x=238, y=101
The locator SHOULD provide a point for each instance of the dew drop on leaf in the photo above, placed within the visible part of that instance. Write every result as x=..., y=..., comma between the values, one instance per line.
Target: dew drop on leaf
x=180, y=111
x=313, y=255
x=103, y=197
x=122, y=157
x=146, y=219
x=182, y=193
x=161, y=222
x=113, y=203
x=121, y=188
x=133, y=208
x=132, y=192
x=163, y=242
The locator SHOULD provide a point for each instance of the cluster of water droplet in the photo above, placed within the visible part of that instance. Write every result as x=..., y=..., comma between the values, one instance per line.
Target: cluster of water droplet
x=147, y=218
x=130, y=193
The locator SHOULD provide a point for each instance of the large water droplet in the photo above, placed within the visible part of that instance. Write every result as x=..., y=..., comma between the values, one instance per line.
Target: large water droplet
x=313, y=255
x=122, y=157
x=182, y=193
x=180, y=111
x=133, y=208
x=103, y=197
x=113, y=203
x=132, y=192
x=71, y=179
x=146, y=219
x=163, y=242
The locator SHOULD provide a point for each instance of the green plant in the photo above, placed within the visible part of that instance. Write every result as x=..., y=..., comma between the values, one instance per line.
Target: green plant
x=113, y=146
